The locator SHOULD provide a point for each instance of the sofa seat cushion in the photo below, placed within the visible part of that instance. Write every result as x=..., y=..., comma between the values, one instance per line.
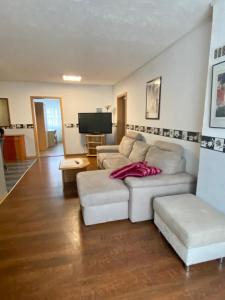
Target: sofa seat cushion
x=160, y=180
x=126, y=146
x=168, y=161
x=192, y=220
x=97, y=188
x=138, y=151
x=115, y=163
x=108, y=156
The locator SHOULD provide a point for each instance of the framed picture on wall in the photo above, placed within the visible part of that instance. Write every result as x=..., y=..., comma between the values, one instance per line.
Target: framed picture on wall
x=153, y=95
x=217, y=112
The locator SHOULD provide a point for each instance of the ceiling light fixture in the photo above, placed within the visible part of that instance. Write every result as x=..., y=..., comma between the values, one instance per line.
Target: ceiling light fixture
x=71, y=78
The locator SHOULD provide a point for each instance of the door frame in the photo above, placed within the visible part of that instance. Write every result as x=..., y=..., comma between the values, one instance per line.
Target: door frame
x=7, y=104
x=118, y=98
x=32, y=98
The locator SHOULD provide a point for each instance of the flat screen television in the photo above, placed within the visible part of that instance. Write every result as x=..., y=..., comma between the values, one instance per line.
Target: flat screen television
x=95, y=123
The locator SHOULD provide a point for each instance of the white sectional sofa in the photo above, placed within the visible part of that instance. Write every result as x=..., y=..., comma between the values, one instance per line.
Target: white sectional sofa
x=97, y=190
x=166, y=156
x=193, y=228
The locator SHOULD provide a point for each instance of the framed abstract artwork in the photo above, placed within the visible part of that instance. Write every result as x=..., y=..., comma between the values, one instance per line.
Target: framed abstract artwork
x=217, y=112
x=153, y=95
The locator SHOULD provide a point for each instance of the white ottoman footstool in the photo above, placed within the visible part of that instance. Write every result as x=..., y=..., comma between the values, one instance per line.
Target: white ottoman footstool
x=102, y=199
x=193, y=228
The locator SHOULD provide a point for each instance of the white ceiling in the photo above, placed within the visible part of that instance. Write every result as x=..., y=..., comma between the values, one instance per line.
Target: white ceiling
x=101, y=40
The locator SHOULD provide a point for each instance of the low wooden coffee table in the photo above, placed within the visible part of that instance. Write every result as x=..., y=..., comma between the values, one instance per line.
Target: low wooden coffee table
x=70, y=167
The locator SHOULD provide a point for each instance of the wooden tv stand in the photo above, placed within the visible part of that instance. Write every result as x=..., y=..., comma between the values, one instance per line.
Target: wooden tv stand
x=92, y=141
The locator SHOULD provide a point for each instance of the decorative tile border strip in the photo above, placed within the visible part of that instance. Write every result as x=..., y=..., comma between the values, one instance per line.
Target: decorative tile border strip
x=213, y=143
x=207, y=142
x=189, y=136
x=28, y=126
x=19, y=126
x=72, y=125
x=219, y=52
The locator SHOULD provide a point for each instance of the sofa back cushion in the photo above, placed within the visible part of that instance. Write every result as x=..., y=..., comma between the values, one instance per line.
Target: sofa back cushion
x=134, y=135
x=170, y=147
x=169, y=162
x=138, y=151
x=126, y=145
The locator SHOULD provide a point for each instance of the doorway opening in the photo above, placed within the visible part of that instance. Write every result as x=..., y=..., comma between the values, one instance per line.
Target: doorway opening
x=121, y=116
x=48, y=126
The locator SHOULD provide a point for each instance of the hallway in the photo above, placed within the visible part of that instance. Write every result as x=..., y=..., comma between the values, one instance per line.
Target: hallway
x=56, y=150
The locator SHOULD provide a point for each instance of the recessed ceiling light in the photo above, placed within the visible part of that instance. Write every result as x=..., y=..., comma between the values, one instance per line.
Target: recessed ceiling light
x=71, y=78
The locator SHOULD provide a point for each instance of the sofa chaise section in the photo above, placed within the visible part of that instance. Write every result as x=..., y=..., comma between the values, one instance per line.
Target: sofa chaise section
x=102, y=199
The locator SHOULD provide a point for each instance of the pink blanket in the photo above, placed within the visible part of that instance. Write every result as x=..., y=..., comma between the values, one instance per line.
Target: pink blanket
x=138, y=169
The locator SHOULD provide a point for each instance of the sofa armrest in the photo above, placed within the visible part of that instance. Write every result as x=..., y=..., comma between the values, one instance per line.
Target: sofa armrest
x=159, y=180
x=107, y=149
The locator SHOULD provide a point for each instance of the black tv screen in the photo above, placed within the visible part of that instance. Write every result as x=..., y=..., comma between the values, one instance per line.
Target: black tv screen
x=95, y=123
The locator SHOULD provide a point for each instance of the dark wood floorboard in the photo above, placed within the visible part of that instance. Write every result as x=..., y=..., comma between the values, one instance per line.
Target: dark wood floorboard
x=46, y=252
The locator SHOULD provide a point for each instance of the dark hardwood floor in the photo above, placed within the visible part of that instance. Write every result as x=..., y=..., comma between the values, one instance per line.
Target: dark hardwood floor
x=46, y=252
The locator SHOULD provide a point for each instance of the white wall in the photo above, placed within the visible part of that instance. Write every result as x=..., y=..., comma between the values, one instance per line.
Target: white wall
x=217, y=40
x=75, y=98
x=211, y=179
x=183, y=68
